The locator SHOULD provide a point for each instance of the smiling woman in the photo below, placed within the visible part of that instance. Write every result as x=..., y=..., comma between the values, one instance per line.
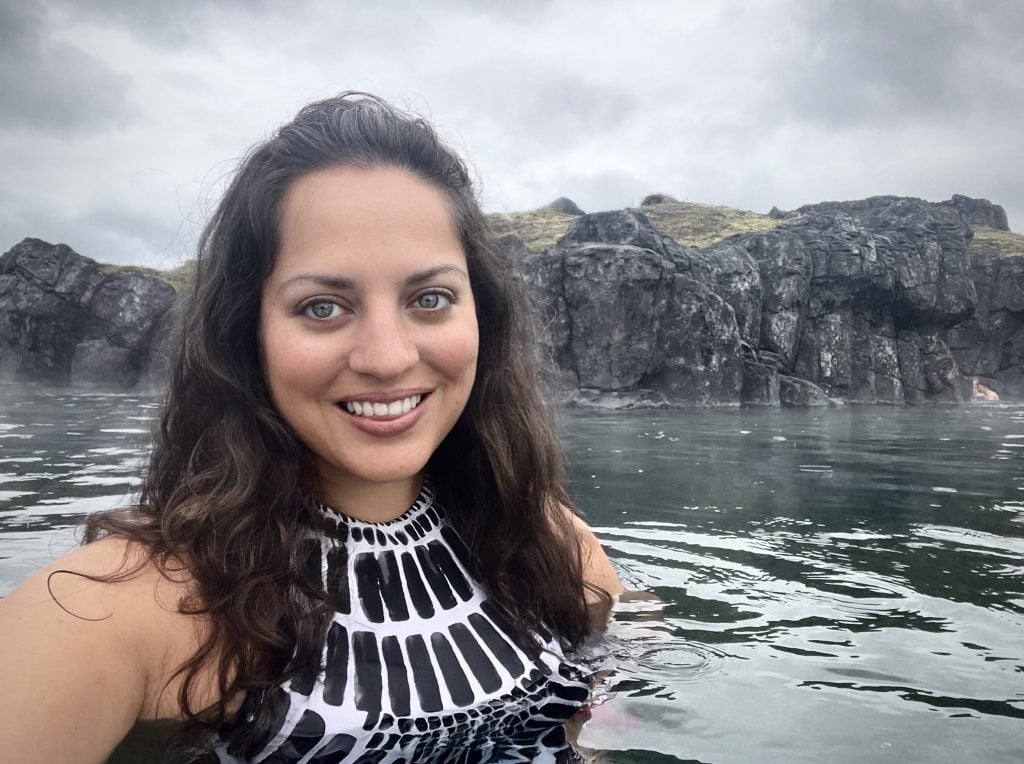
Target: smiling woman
x=368, y=330
x=353, y=541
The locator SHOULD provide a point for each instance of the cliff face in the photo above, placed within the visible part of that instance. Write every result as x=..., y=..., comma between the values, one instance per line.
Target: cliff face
x=633, y=317
x=990, y=344
x=885, y=300
x=64, y=320
x=862, y=297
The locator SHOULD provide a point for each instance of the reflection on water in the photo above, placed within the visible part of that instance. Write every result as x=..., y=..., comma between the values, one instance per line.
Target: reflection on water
x=842, y=586
x=63, y=455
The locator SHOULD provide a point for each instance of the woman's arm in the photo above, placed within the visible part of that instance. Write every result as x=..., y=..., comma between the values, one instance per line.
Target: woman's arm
x=81, y=660
x=597, y=568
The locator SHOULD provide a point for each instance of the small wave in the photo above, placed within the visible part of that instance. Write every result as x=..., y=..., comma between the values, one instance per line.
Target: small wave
x=984, y=706
x=977, y=541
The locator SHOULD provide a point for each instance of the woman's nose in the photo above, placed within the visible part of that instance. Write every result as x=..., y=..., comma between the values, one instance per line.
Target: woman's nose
x=383, y=345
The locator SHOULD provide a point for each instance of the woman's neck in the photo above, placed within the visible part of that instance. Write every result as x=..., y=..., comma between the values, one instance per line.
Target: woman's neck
x=370, y=502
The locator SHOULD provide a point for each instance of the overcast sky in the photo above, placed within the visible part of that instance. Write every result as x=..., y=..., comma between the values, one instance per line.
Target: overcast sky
x=119, y=121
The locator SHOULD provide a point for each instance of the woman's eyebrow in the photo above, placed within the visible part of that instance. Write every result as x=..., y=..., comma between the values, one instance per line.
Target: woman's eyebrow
x=339, y=283
x=427, y=274
x=328, y=282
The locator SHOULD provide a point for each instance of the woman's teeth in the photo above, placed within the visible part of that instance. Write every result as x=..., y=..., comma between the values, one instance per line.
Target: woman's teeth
x=394, y=408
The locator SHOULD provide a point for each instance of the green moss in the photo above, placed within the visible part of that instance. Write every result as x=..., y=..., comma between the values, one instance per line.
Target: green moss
x=179, y=277
x=109, y=269
x=538, y=229
x=1005, y=243
x=182, y=276
x=701, y=225
x=696, y=225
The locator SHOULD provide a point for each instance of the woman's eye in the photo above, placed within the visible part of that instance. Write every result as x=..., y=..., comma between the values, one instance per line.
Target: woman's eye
x=433, y=301
x=322, y=309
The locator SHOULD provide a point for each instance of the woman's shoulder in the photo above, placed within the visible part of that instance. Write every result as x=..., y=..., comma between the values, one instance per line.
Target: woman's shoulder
x=92, y=641
x=109, y=581
x=597, y=568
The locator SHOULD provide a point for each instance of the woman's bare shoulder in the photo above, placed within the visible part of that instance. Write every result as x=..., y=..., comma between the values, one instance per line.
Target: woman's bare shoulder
x=86, y=649
x=110, y=580
x=597, y=568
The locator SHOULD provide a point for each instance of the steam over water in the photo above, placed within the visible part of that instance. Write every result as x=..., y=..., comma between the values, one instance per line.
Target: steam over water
x=843, y=585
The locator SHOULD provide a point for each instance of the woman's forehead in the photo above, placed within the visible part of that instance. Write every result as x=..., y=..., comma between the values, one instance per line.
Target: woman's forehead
x=350, y=220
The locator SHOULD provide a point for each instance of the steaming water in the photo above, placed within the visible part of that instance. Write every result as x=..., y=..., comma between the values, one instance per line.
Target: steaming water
x=841, y=586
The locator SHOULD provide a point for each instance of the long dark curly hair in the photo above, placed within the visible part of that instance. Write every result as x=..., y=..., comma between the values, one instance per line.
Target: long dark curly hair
x=227, y=492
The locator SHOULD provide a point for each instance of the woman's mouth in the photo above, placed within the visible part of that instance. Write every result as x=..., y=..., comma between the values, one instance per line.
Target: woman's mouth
x=381, y=409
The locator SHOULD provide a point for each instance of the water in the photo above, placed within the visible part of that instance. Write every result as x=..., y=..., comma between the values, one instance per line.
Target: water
x=842, y=585
x=63, y=455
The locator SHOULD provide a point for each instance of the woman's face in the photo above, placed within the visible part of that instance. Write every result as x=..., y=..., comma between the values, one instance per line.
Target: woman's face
x=367, y=325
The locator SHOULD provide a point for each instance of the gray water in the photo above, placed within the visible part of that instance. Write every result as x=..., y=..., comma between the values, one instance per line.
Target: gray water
x=835, y=586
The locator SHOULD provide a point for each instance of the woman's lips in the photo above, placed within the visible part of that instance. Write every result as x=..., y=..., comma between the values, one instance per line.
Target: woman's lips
x=397, y=414
x=367, y=408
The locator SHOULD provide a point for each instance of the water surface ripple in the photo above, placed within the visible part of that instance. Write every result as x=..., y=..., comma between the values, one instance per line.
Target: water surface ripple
x=842, y=585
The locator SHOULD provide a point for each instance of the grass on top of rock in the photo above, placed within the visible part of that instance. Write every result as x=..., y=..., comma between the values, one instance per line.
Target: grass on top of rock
x=1005, y=243
x=179, y=277
x=539, y=229
x=182, y=276
x=695, y=225
x=701, y=225
x=113, y=269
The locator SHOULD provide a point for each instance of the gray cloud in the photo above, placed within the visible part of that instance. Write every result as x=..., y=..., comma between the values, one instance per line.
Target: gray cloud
x=718, y=101
x=902, y=60
x=164, y=22
x=51, y=85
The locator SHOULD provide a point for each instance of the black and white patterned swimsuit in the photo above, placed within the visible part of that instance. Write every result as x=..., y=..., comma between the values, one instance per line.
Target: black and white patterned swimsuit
x=420, y=663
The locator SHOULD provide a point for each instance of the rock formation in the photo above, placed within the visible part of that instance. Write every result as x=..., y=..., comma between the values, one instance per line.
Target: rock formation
x=990, y=344
x=860, y=297
x=633, y=316
x=64, y=319
x=564, y=205
x=882, y=300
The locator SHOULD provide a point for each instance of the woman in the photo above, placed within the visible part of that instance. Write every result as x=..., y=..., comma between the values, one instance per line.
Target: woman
x=352, y=539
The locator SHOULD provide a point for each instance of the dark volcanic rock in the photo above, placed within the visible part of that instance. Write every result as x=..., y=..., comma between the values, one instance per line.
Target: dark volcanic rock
x=157, y=366
x=615, y=227
x=651, y=199
x=739, y=283
x=615, y=296
x=991, y=343
x=761, y=372
x=699, y=359
x=64, y=320
x=799, y=393
x=632, y=316
x=928, y=369
x=867, y=301
x=760, y=384
x=846, y=279
x=785, y=267
x=979, y=212
x=563, y=204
